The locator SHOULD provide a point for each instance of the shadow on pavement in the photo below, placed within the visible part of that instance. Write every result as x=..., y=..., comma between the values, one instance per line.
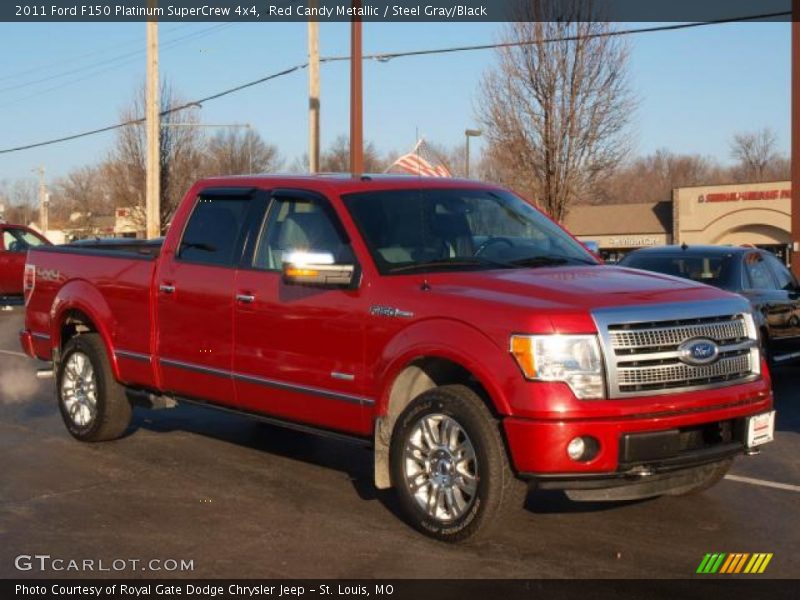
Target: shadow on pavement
x=353, y=460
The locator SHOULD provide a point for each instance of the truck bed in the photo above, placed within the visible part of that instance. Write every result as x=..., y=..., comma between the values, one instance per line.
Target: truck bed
x=107, y=282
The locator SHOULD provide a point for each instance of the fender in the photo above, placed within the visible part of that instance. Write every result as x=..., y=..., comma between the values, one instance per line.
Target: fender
x=452, y=340
x=80, y=295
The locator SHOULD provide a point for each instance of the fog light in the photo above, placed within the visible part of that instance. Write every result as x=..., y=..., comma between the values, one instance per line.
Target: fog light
x=576, y=448
x=583, y=448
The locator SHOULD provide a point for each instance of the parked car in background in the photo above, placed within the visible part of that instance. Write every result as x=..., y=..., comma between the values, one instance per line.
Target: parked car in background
x=14, y=243
x=756, y=274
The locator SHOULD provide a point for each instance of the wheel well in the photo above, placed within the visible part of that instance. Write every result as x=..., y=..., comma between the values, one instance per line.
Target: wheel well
x=75, y=323
x=417, y=377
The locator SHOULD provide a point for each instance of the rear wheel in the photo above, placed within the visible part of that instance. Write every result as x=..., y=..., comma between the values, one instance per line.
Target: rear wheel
x=450, y=468
x=93, y=405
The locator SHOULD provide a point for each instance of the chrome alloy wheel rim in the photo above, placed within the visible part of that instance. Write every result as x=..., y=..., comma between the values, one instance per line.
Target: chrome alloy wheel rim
x=440, y=467
x=79, y=389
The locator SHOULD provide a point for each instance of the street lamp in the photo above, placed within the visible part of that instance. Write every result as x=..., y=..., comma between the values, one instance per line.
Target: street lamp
x=470, y=133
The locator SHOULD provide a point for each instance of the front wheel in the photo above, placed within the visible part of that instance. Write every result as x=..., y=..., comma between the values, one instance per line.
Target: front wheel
x=93, y=405
x=449, y=466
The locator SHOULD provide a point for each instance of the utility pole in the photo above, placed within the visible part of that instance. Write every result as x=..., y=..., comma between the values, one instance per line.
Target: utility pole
x=313, y=94
x=356, y=97
x=43, y=201
x=795, y=201
x=152, y=119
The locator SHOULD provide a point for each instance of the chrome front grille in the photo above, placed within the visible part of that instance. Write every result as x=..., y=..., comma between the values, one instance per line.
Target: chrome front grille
x=731, y=329
x=642, y=346
x=664, y=375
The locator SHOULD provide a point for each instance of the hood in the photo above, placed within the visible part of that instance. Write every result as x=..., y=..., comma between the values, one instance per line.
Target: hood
x=580, y=288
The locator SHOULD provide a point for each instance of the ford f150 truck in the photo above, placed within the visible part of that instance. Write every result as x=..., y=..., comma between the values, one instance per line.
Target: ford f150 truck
x=474, y=343
x=14, y=243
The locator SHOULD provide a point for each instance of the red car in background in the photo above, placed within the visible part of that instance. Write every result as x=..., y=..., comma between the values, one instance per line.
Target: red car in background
x=14, y=243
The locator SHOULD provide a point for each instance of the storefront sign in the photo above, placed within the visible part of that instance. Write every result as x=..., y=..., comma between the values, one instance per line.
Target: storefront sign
x=737, y=196
x=632, y=242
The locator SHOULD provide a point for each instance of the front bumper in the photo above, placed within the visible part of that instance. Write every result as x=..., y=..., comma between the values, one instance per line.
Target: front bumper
x=629, y=445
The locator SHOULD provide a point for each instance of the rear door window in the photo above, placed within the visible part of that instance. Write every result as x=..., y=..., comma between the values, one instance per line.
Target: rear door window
x=214, y=232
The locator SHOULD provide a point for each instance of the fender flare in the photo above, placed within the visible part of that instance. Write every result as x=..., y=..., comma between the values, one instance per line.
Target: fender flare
x=80, y=295
x=434, y=338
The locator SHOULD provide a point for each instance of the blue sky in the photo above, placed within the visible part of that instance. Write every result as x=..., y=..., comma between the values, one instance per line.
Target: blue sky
x=696, y=87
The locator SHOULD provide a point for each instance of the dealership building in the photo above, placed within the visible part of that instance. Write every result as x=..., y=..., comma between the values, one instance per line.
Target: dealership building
x=736, y=214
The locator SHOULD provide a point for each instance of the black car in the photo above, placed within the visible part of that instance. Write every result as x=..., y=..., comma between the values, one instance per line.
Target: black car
x=756, y=274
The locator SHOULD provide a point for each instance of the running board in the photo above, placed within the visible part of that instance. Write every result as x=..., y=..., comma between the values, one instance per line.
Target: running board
x=301, y=427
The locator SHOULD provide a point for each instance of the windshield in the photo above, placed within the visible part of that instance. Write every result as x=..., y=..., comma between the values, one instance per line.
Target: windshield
x=713, y=270
x=426, y=230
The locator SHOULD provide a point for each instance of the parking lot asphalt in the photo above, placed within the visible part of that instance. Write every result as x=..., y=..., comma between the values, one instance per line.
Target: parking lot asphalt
x=240, y=498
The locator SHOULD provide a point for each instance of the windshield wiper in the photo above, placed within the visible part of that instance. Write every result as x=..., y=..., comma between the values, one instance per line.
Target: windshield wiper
x=547, y=260
x=466, y=261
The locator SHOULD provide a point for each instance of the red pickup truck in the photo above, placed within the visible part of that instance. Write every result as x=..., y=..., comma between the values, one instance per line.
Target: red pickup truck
x=469, y=339
x=14, y=243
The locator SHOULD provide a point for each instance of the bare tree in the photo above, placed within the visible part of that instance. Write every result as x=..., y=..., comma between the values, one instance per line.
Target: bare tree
x=555, y=111
x=336, y=158
x=756, y=154
x=81, y=197
x=20, y=198
x=235, y=153
x=652, y=178
x=180, y=155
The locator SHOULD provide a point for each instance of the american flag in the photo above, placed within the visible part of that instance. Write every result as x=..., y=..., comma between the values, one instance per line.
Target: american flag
x=420, y=161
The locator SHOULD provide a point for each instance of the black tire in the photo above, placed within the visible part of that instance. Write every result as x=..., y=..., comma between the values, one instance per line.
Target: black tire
x=112, y=409
x=497, y=491
x=714, y=475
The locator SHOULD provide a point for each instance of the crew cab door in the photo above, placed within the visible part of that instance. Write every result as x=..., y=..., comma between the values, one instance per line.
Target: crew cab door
x=194, y=290
x=299, y=349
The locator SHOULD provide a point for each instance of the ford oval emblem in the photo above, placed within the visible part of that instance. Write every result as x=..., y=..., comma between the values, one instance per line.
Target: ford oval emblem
x=699, y=351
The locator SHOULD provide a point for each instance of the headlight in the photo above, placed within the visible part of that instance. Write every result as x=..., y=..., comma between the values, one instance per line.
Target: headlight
x=573, y=359
x=754, y=334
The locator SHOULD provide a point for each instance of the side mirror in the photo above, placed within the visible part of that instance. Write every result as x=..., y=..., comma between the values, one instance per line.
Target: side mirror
x=316, y=269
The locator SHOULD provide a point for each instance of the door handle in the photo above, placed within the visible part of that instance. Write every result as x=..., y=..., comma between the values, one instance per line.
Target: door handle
x=166, y=288
x=245, y=298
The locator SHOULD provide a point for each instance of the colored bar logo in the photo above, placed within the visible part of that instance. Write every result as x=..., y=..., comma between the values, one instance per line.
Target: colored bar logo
x=734, y=563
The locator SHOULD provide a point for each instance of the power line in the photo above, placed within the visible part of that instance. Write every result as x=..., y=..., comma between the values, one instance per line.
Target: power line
x=384, y=57
x=166, y=46
x=388, y=56
x=114, y=60
x=71, y=59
